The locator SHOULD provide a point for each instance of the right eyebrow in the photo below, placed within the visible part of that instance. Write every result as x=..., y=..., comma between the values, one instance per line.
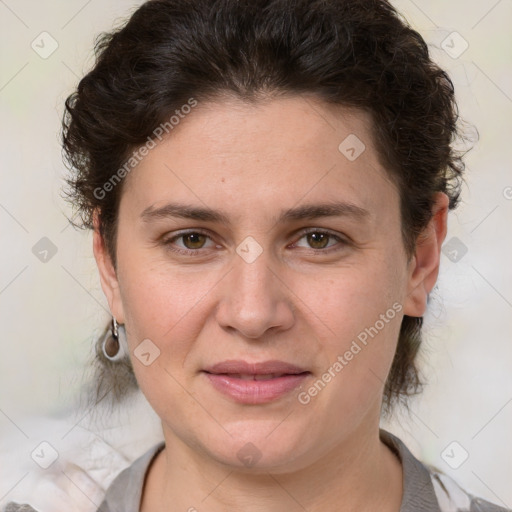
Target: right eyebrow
x=184, y=211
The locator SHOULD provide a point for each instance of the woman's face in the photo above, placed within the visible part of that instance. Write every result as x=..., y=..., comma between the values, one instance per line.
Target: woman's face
x=275, y=279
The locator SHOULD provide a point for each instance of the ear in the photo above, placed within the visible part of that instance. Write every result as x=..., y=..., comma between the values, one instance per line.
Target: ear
x=108, y=275
x=424, y=265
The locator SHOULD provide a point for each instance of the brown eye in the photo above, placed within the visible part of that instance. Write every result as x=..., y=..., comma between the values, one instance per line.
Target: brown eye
x=191, y=243
x=193, y=240
x=318, y=240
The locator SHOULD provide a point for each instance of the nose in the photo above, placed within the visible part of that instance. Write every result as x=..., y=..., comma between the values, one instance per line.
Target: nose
x=255, y=299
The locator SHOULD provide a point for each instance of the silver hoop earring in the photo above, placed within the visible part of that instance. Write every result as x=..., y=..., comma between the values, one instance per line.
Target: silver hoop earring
x=114, y=345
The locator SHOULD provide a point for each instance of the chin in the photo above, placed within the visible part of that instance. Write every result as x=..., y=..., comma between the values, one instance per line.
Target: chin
x=257, y=446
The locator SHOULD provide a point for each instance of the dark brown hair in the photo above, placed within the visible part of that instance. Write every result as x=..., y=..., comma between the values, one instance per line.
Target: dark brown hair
x=353, y=53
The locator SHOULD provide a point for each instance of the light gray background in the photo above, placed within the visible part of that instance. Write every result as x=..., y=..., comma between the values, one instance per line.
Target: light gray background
x=50, y=310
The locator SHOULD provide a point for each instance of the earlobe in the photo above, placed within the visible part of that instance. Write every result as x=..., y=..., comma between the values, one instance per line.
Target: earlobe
x=424, y=266
x=107, y=272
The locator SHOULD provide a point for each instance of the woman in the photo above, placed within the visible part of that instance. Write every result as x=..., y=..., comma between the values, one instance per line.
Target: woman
x=268, y=183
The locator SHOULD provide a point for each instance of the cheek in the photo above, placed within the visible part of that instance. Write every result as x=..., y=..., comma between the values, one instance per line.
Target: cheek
x=358, y=312
x=165, y=306
x=345, y=301
x=159, y=300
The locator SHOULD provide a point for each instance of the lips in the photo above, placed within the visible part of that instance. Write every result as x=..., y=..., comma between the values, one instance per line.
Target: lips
x=239, y=367
x=255, y=383
x=245, y=376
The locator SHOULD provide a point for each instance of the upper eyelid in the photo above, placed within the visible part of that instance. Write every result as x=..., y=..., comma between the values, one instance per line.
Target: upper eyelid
x=187, y=232
x=302, y=232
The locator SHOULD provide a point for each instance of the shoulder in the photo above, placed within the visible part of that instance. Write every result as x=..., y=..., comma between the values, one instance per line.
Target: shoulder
x=18, y=507
x=452, y=497
x=426, y=488
x=125, y=492
x=90, y=453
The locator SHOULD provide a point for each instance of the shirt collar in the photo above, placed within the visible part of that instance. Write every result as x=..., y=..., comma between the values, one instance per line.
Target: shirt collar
x=418, y=491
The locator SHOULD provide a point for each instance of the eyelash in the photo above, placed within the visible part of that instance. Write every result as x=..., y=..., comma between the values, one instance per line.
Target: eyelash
x=197, y=252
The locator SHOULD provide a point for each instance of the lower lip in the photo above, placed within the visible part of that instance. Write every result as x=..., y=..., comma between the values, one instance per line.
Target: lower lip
x=255, y=391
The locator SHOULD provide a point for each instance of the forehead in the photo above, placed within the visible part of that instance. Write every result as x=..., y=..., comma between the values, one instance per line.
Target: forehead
x=240, y=157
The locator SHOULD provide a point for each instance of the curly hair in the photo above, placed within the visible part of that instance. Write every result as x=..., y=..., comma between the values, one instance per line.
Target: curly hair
x=355, y=53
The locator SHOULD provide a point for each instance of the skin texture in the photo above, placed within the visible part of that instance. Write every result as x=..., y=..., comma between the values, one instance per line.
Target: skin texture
x=292, y=303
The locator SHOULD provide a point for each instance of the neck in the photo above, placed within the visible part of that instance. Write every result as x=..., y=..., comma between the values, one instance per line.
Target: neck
x=360, y=473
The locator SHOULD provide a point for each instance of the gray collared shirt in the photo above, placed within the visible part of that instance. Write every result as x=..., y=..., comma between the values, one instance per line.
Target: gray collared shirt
x=424, y=489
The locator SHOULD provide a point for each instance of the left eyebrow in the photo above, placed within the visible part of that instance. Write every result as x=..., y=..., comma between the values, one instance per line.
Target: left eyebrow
x=305, y=212
x=316, y=211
